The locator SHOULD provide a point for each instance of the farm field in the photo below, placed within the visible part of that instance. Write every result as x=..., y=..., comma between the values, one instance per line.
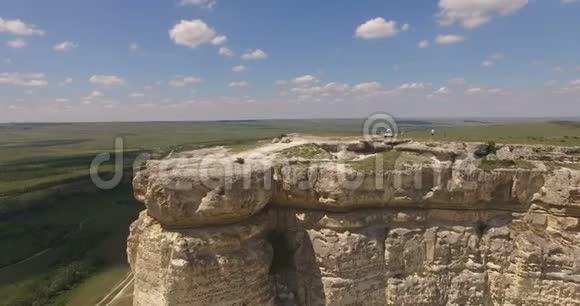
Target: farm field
x=64, y=239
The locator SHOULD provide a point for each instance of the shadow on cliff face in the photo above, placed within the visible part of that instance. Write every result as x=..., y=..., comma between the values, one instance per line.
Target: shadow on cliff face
x=296, y=274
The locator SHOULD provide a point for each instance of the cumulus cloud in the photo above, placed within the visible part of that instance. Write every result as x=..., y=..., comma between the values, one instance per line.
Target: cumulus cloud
x=487, y=63
x=239, y=84
x=368, y=87
x=305, y=79
x=17, y=27
x=492, y=59
x=254, y=55
x=136, y=95
x=185, y=81
x=472, y=14
x=411, y=86
x=65, y=46
x=442, y=91
x=133, y=46
x=219, y=40
x=66, y=81
x=423, y=44
x=483, y=91
x=569, y=1
x=449, y=39
x=379, y=28
x=327, y=90
x=23, y=79
x=239, y=68
x=107, y=80
x=92, y=97
x=226, y=52
x=208, y=4
x=192, y=33
x=17, y=43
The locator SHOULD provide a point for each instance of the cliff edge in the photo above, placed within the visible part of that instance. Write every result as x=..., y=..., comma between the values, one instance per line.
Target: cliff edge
x=315, y=221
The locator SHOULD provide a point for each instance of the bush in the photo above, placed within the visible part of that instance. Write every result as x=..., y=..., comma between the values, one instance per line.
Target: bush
x=490, y=148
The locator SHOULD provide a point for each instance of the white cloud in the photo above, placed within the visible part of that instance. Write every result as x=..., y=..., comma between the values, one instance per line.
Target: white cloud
x=254, y=55
x=239, y=84
x=569, y=1
x=442, y=91
x=368, y=86
x=449, y=39
x=219, y=40
x=558, y=69
x=17, y=27
x=492, y=59
x=487, y=63
x=472, y=14
x=107, y=80
x=65, y=46
x=226, y=52
x=133, y=46
x=136, y=95
x=17, y=43
x=406, y=27
x=23, y=79
x=473, y=90
x=305, y=79
x=423, y=44
x=185, y=81
x=239, y=68
x=328, y=90
x=208, y=4
x=93, y=96
x=378, y=28
x=61, y=100
x=66, y=82
x=484, y=91
x=573, y=86
x=192, y=33
x=411, y=86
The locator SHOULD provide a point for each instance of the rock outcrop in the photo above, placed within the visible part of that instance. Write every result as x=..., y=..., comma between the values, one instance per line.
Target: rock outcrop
x=311, y=221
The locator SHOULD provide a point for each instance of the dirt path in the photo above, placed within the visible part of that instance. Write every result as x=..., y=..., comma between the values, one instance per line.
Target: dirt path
x=118, y=291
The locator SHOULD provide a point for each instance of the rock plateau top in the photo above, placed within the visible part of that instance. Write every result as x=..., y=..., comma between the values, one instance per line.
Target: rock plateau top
x=306, y=220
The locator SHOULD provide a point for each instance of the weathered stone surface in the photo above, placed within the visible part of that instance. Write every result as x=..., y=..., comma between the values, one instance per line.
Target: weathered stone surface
x=438, y=229
x=212, y=266
x=203, y=190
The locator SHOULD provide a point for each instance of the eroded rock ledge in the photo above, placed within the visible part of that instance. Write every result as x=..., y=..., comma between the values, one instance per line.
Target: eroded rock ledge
x=312, y=221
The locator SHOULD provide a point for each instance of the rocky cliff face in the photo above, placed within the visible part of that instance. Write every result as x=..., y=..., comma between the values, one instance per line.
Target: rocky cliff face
x=311, y=221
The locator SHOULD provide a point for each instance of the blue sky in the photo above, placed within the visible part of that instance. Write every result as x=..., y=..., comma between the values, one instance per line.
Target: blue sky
x=160, y=60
